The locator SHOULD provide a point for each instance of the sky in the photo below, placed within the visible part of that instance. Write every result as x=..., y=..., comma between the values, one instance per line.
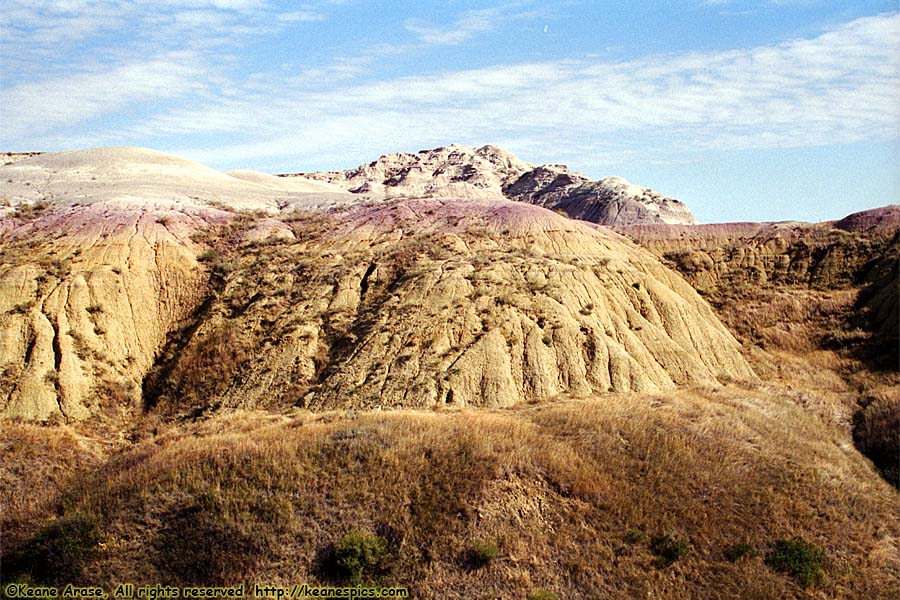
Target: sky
x=747, y=110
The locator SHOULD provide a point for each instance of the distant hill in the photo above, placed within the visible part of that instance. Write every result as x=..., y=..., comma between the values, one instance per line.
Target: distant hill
x=490, y=172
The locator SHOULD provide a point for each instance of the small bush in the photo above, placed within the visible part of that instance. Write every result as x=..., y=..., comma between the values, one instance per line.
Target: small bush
x=207, y=255
x=482, y=553
x=21, y=309
x=542, y=595
x=634, y=536
x=359, y=554
x=737, y=551
x=94, y=309
x=587, y=309
x=798, y=558
x=668, y=549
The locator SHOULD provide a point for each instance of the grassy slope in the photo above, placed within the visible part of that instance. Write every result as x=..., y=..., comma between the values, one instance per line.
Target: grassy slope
x=556, y=487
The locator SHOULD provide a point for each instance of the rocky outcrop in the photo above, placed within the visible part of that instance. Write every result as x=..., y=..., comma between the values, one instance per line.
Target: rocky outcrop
x=243, y=291
x=447, y=172
x=879, y=305
x=827, y=255
x=491, y=172
x=98, y=263
x=8, y=158
x=610, y=201
x=739, y=263
x=434, y=302
x=86, y=299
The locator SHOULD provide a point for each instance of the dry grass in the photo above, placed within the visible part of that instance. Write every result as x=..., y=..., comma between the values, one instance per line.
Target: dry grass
x=557, y=488
x=807, y=342
x=36, y=465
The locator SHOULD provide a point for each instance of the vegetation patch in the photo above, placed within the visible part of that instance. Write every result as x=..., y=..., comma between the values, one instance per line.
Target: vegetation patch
x=542, y=595
x=735, y=552
x=481, y=554
x=798, y=558
x=57, y=553
x=668, y=549
x=358, y=556
x=634, y=536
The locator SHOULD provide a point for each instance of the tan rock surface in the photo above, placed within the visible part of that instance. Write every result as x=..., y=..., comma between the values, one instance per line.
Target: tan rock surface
x=414, y=302
x=436, y=301
x=832, y=254
x=86, y=299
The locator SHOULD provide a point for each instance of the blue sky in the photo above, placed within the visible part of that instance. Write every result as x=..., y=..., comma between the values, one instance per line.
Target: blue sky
x=744, y=109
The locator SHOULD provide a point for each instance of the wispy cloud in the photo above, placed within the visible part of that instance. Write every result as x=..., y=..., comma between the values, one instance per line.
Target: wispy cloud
x=301, y=15
x=837, y=87
x=469, y=24
x=39, y=38
x=31, y=109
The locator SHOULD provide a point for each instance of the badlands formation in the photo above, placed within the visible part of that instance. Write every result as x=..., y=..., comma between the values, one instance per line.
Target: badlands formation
x=122, y=267
x=486, y=378
x=491, y=172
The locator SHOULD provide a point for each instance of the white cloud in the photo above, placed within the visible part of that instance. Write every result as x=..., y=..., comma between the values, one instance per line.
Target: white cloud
x=301, y=16
x=30, y=109
x=236, y=5
x=469, y=24
x=838, y=87
x=67, y=35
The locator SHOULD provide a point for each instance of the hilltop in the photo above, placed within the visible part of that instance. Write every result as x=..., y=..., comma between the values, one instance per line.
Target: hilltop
x=458, y=171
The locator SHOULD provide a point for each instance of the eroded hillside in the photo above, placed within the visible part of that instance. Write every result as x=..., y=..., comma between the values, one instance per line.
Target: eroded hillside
x=214, y=378
x=434, y=302
x=815, y=307
x=118, y=260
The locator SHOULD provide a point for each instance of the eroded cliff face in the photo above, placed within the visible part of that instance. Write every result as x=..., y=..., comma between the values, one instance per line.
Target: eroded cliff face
x=86, y=299
x=97, y=265
x=131, y=278
x=426, y=303
x=828, y=255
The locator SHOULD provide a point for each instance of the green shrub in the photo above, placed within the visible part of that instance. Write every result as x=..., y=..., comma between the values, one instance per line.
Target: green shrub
x=482, y=553
x=668, y=549
x=737, y=551
x=541, y=595
x=207, y=255
x=359, y=554
x=634, y=536
x=58, y=552
x=798, y=558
